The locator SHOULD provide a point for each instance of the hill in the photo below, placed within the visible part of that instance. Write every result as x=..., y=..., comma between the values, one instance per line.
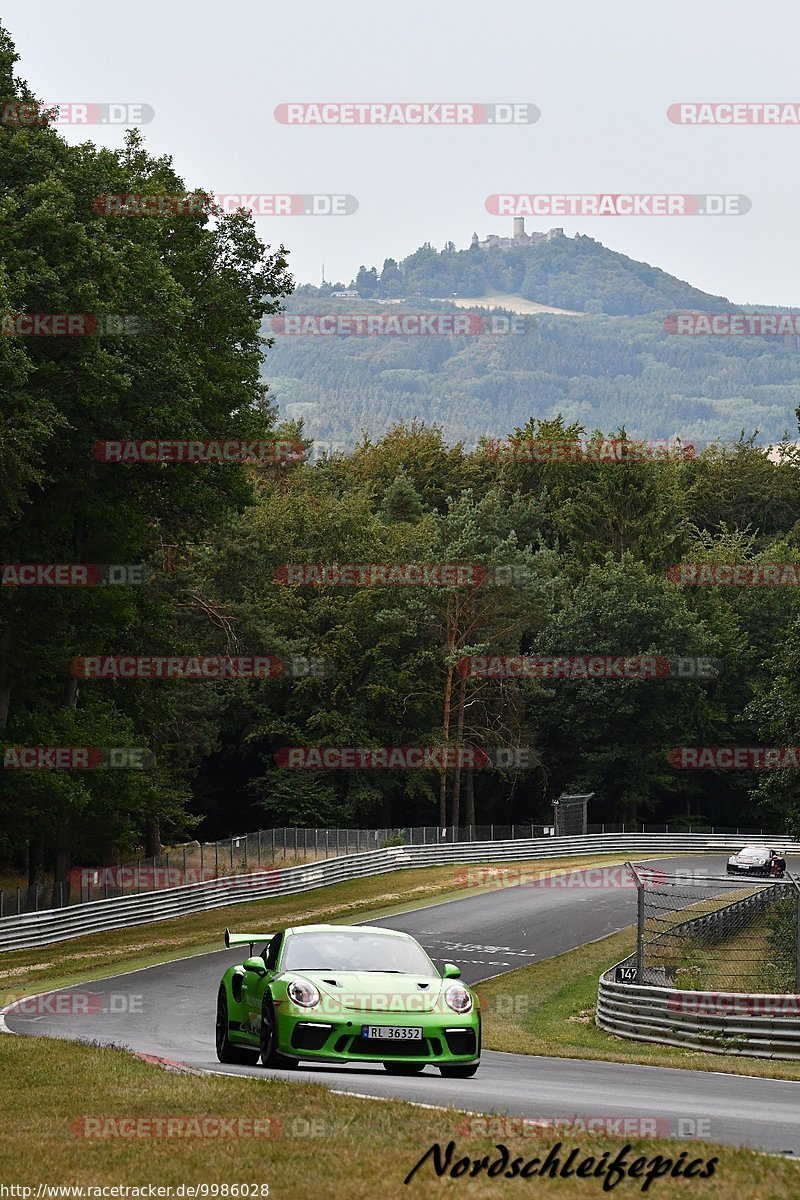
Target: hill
x=616, y=364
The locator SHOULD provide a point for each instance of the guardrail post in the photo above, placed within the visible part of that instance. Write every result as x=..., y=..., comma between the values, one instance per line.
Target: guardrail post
x=201, y=859
x=491, y=833
x=167, y=871
x=216, y=860
x=295, y=841
x=796, y=883
x=639, y=922
x=2, y=894
x=17, y=901
x=184, y=864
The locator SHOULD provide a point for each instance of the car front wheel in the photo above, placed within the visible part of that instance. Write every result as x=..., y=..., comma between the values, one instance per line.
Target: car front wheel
x=459, y=1072
x=226, y=1051
x=268, y=1040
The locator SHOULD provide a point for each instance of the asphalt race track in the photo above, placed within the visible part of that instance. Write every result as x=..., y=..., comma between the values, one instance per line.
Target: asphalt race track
x=168, y=1011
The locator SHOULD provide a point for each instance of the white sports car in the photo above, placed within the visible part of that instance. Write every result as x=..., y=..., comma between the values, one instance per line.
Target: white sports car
x=752, y=860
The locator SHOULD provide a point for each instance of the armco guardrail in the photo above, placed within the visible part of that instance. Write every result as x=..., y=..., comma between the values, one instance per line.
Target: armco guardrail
x=755, y=1024
x=60, y=924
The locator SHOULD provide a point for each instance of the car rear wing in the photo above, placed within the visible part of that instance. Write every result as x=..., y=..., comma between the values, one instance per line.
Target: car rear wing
x=246, y=939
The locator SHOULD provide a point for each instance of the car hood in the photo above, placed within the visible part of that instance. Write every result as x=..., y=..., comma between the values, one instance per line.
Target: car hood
x=375, y=991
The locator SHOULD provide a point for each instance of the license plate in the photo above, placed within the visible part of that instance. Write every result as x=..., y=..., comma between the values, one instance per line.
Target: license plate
x=393, y=1033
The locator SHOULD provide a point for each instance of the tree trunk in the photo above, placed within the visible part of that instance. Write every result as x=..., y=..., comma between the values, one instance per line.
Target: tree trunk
x=63, y=862
x=152, y=837
x=469, y=817
x=448, y=699
x=6, y=639
x=35, y=858
x=456, y=804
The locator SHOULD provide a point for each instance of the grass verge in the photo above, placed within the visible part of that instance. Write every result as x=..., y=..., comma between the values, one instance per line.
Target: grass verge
x=318, y=1144
x=548, y=1009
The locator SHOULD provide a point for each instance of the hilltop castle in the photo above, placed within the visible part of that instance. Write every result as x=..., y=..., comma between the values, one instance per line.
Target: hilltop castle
x=519, y=238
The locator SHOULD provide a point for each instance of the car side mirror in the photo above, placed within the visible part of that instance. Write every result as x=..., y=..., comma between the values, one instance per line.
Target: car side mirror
x=451, y=971
x=256, y=965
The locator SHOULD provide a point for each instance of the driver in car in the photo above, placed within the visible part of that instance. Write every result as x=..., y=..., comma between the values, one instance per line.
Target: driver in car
x=778, y=863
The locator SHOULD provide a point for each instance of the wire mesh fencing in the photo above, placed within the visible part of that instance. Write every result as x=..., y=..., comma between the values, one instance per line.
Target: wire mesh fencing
x=699, y=932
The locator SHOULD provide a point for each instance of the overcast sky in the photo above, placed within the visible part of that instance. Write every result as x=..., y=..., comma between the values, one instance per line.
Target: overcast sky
x=603, y=76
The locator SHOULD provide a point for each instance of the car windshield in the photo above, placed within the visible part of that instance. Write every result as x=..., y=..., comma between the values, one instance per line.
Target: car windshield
x=754, y=850
x=351, y=951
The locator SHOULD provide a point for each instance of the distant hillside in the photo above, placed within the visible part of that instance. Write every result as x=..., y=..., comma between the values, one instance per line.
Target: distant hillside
x=614, y=365
x=573, y=273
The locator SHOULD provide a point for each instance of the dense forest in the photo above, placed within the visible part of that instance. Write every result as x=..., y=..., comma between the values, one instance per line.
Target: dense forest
x=591, y=544
x=615, y=364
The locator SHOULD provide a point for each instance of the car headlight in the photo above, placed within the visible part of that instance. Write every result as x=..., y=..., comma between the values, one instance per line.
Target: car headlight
x=458, y=998
x=301, y=992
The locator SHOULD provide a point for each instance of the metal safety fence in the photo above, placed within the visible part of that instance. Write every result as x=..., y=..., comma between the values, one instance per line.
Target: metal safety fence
x=698, y=931
x=125, y=911
x=198, y=862
x=716, y=966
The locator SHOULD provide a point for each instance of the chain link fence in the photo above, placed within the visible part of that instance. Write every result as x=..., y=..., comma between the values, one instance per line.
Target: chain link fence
x=698, y=932
x=288, y=846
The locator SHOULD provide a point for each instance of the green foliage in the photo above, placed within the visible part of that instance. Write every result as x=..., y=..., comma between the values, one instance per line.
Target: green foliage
x=582, y=551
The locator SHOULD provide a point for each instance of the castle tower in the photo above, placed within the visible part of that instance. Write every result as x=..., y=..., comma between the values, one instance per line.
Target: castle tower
x=519, y=229
x=474, y=242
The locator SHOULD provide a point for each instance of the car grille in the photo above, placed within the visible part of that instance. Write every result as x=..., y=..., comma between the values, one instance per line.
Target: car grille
x=460, y=1041
x=377, y=1048
x=310, y=1035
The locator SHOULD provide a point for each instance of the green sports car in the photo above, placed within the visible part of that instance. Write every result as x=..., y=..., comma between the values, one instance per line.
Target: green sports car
x=346, y=993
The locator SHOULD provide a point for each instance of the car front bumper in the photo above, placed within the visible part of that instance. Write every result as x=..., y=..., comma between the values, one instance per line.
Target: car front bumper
x=446, y=1039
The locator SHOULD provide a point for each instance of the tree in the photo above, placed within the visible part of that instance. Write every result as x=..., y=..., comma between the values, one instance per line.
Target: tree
x=200, y=291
